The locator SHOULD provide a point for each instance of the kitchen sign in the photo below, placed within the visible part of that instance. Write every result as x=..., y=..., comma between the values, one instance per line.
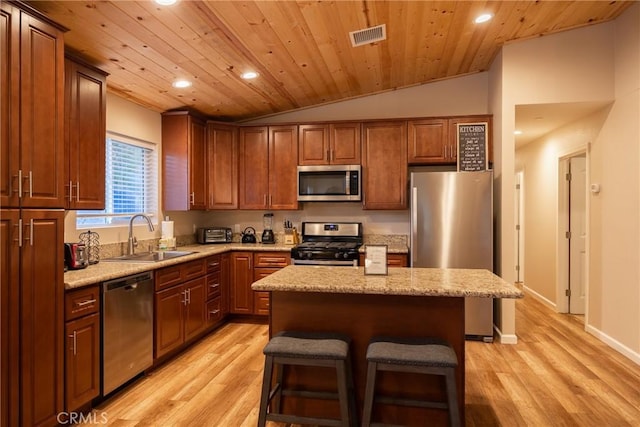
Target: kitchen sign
x=472, y=146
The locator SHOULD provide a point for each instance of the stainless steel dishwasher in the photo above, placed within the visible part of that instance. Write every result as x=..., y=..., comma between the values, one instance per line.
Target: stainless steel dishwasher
x=127, y=329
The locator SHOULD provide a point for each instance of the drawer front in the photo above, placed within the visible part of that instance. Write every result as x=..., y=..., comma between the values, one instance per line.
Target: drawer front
x=81, y=302
x=167, y=277
x=271, y=259
x=213, y=285
x=194, y=269
x=213, y=264
x=259, y=273
x=214, y=311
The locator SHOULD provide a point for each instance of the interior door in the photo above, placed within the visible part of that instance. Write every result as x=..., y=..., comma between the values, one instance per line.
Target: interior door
x=578, y=234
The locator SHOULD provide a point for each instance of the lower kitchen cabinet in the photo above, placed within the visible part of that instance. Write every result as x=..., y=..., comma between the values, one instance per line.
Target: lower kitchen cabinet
x=246, y=268
x=217, y=288
x=180, y=315
x=180, y=305
x=82, y=352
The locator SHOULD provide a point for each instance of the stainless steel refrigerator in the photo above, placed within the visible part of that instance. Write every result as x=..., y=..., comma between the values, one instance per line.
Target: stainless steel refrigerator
x=452, y=226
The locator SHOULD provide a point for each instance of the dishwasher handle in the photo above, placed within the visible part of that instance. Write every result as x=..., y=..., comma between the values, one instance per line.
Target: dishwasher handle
x=129, y=283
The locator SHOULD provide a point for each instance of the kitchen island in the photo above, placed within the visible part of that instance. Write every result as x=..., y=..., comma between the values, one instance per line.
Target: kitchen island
x=408, y=302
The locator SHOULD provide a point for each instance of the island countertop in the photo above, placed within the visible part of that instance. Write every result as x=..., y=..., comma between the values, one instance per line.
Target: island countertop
x=441, y=282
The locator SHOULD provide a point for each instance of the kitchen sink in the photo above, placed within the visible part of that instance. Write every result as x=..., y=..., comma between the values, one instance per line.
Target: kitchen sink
x=154, y=256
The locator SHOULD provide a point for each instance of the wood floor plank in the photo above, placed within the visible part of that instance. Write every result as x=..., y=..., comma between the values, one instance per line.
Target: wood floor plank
x=556, y=375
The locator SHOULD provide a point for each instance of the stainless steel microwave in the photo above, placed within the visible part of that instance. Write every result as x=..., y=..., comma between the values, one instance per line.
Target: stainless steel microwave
x=330, y=183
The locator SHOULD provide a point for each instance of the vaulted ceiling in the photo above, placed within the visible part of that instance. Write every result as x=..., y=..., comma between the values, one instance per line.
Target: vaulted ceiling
x=300, y=49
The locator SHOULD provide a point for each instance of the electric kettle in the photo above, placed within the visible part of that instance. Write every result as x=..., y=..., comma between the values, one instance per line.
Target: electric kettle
x=249, y=235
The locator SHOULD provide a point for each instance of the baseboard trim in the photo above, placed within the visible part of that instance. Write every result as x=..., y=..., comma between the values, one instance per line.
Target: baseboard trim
x=505, y=338
x=541, y=298
x=615, y=344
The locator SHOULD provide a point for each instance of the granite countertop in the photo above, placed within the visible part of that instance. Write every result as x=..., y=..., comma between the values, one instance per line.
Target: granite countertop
x=448, y=282
x=108, y=270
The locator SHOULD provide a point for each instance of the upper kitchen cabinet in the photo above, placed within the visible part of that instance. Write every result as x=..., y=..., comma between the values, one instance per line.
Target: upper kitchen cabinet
x=222, y=171
x=184, y=165
x=268, y=167
x=332, y=144
x=384, y=165
x=429, y=142
x=85, y=133
x=31, y=110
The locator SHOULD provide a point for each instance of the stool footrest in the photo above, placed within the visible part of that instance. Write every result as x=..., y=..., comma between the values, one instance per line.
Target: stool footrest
x=295, y=419
x=411, y=402
x=310, y=394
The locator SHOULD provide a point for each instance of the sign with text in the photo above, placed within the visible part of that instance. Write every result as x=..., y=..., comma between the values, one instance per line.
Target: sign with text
x=472, y=146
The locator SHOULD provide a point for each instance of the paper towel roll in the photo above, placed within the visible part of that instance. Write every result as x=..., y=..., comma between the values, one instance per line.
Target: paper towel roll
x=167, y=229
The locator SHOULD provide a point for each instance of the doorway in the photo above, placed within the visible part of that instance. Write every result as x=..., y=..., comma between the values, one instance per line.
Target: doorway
x=573, y=247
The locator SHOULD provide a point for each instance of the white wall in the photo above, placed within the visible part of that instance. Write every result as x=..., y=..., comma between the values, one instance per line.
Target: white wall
x=597, y=63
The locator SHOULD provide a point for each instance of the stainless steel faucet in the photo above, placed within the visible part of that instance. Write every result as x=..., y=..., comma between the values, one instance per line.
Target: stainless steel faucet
x=133, y=243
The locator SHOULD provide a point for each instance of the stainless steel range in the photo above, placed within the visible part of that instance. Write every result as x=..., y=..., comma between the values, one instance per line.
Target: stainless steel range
x=328, y=243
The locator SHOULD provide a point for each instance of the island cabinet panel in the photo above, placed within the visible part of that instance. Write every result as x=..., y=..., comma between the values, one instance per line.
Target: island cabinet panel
x=268, y=167
x=184, y=169
x=266, y=263
x=362, y=316
x=384, y=165
x=85, y=134
x=32, y=115
x=222, y=166
x=429, y=142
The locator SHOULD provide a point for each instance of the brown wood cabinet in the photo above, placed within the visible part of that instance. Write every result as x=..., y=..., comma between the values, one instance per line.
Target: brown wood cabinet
x=246, y=268
x=384, y=165
x=82, y=359
x=33, y=309
x=429, y=142
x=32, y=111
x=241, y=280
x=180, y=304
x=85, y=133
x=393, y=260
x=268, y=167
x=325, y=144
x=222, y=166
x=184, y=166
x=217, y=288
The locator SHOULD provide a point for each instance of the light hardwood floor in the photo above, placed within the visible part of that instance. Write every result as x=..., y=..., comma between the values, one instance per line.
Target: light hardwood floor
x=557, y=375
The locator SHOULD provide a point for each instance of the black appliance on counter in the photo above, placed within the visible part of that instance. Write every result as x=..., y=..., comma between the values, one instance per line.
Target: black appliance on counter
x=207, y=235
x=328, y=243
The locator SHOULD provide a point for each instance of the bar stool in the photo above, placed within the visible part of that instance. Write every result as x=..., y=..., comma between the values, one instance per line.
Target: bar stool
x=417, y=355
x=307, y=349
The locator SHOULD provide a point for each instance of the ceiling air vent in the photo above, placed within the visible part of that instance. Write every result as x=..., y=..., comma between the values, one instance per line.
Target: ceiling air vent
x=368, y=35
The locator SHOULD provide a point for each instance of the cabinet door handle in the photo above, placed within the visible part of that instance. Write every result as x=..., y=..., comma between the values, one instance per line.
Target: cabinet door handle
x=70, y=191
x=30, y=238
x=19, y=239
x=189, y=296
x=217, y=285
x=78, y=191
x=270, y=199
x=74, y=337
x=86, y=302
x=328, y=155
x=30, y=178
x=214, y=312
x=214, y=264
x=184, y=294
x=264, y=200
x=19, y=183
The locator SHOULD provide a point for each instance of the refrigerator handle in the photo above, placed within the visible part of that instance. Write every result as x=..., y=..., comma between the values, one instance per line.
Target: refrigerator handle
x=414, y=225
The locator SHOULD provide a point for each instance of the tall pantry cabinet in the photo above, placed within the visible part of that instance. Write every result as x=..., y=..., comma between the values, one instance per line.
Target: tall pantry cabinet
x=31, y=217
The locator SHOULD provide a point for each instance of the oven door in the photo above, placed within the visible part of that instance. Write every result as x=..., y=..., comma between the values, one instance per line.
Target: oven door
x=327, y=262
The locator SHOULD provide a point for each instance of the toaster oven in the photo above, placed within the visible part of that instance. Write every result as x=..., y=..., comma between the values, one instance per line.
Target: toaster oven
x=206, y=235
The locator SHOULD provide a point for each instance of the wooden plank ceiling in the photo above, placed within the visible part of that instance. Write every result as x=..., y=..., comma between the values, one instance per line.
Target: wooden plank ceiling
x=301, y=49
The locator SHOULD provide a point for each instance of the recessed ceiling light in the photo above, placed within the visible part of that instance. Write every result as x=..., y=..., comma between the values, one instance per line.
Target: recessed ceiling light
x=181, y=84
x=483, y=18
x=517, y=132
x=165, y=2
x=249, y=75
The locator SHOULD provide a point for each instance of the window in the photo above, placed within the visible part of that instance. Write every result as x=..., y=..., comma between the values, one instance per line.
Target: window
x=131, y=183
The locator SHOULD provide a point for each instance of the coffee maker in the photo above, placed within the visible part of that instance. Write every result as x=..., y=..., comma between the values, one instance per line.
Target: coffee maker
x=267, y=233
